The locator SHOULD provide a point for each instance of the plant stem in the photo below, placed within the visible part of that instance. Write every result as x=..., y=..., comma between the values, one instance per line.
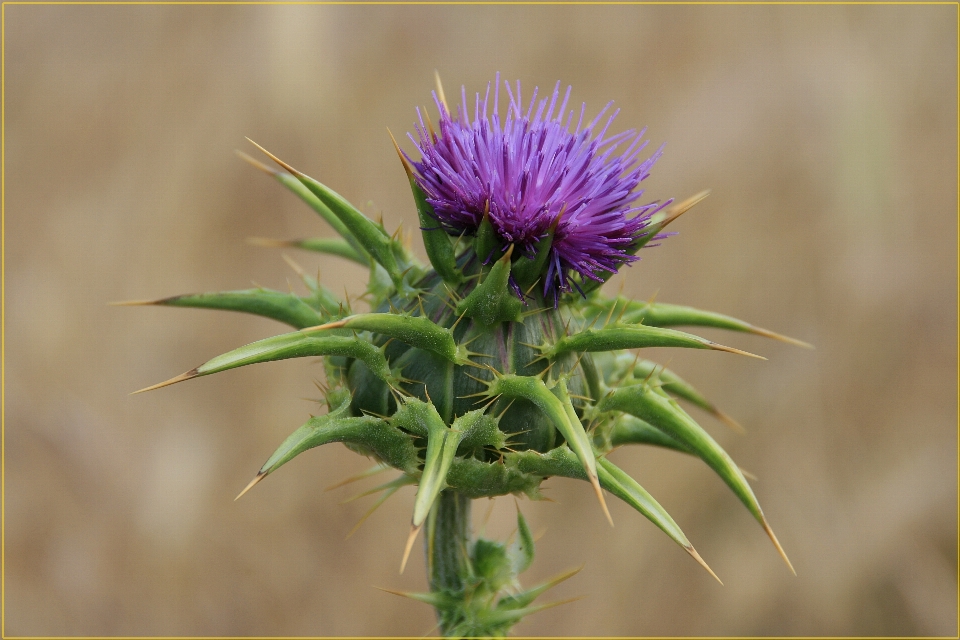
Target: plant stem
x=447, y=547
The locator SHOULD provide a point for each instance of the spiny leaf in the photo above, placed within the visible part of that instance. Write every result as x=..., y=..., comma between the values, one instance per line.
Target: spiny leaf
x=417, y=331
x=421, y=418
x=623, y=336
x=499, y=617
x=373, y=435
x=368, y=234
x=620, y=484
x=435, y=239
x=521, y=551
x=524, y=598
x=477, y=479
x=660, y=314
x=436, y=599
x=332, y=246
x=625, y=366
x=628, y=429
x=283, y=307
x=323, y=299
x=291, y=345
x=302, y=192
x=645, y=403
x=479, y=430
x=528, y=270
x=562, y=462
x=492, y=301
x=556, y=405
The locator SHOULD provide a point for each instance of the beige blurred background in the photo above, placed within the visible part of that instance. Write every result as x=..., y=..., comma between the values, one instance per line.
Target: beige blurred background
x=828, y=136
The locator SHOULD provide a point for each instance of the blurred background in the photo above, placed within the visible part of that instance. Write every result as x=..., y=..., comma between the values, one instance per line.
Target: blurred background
x=828, y=137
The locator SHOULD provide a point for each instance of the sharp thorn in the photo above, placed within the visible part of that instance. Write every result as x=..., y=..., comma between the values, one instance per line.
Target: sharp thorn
x=260, y=476
x=612, y=309
x=621, y=314
x=440, y=96
x=360, y=476
x=276, y=159
x=403, y=160
x=137, y=303
x=678, y=210
x=180, y=378
x=256, y=163
x=296, y=267
x=406, y=551
x=504, y=412
x=396, y=593
x=696, y=556
x=376, y=505
x=603, y=503
x=782, y=338
x=720, y=347
x=730, y=422
x=776, y=543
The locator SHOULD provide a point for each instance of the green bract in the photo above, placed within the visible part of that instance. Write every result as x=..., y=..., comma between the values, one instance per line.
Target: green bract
x=470, y=392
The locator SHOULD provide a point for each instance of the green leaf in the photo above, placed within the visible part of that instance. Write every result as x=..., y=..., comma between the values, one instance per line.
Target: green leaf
x=301, y=191
x=522, y=548
x=292, y=345
x=418, y=417
x=492, y=301
x=524, y=598
x=629, y=429
x=619, y=483
x=492, y=564
x=647, y=404
x=476, y=479
x=283, y=307
x=660, y=314
x=562, y=462
x=417, y=331
x=330, y=246
x=526, y=271
x=478, y=430
x=557, y=406
x=625, y=369
x=623, y=336
x=435, y=240
x=368, y=234
x=486, y=244
x=373, y=435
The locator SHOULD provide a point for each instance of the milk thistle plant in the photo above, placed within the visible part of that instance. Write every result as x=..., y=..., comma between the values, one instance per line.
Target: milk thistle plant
x=500, y=363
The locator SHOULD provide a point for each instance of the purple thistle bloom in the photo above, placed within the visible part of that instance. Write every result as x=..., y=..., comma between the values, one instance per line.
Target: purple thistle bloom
x=531, y=172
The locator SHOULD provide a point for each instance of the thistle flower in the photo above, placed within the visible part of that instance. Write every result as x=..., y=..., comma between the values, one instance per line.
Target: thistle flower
x=533, y=175
x=452, y=382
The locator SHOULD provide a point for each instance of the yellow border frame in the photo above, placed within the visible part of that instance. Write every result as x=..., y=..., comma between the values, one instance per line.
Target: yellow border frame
x=3, y=245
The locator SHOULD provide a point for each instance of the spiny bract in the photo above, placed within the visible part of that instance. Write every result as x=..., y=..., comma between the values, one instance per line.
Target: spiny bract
x=499, y=364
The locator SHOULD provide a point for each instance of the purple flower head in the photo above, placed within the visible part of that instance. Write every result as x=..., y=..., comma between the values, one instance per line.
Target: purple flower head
x=534, y=170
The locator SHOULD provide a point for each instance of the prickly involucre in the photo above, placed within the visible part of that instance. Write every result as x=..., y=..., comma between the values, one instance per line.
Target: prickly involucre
x=499, y=364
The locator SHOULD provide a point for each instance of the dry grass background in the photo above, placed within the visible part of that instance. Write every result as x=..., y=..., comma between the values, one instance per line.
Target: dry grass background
x=828, y=135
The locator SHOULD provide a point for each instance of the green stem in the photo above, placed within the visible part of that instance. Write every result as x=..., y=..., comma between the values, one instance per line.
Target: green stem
x=447, y=547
